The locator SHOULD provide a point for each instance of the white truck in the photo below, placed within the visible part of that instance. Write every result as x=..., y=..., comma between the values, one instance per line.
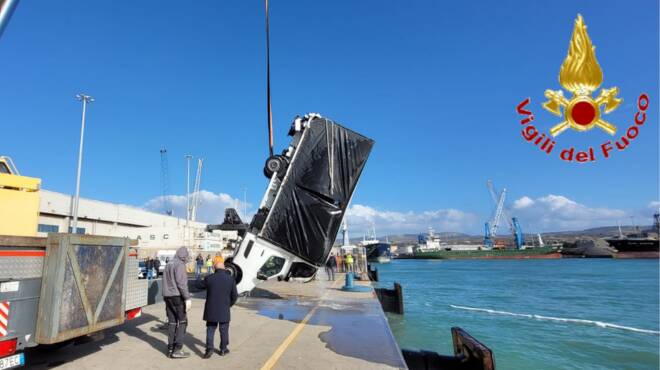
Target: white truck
x=310, y=187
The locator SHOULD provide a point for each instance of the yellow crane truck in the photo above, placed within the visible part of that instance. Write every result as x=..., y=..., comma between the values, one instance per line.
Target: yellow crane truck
x=60, y=287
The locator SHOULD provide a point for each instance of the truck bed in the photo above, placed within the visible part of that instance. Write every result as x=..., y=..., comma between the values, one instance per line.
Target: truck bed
x=28, y=314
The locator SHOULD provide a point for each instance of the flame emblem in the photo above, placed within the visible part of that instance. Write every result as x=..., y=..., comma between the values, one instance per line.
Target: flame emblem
x=581, y=75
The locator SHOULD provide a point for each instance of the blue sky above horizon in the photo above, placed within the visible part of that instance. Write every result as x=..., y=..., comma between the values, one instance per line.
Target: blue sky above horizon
x=435, y=83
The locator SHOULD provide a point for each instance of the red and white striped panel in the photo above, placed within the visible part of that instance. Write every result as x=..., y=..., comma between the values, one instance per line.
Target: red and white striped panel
x=4, y=318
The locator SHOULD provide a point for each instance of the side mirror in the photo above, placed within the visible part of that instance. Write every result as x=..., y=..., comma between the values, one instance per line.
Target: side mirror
x=261, y=276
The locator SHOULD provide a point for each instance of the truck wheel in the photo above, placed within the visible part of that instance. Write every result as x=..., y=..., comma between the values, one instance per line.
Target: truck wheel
x=234, y=271
x=276, y=163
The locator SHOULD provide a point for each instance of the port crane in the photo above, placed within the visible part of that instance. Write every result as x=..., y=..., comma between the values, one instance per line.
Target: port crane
x=491, y=226
x=196, y=200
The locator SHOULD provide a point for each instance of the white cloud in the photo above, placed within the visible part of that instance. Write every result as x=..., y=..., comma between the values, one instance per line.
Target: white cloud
x=547, y=213
x=211, y=207
x=559, y=213
x=361, y=217
x=523, y=202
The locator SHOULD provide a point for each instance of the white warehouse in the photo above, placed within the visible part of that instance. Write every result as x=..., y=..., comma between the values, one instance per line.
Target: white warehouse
x=154, y=231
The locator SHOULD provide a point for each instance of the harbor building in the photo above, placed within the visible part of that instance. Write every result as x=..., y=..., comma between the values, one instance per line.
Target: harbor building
x=153, y=231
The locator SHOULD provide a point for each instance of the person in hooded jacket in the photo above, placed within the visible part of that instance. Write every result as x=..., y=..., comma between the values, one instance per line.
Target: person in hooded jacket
x=177, y=302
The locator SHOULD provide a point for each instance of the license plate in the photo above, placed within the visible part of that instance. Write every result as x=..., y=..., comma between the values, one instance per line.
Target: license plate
x=8, y=287
x=12, y=361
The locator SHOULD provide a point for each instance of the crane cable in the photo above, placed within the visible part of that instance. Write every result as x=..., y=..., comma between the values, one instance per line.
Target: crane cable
x=270, y=114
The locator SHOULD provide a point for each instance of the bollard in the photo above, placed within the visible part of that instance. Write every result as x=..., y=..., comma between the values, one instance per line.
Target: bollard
x=391, y=299
x=349, y=280
x=350, y=287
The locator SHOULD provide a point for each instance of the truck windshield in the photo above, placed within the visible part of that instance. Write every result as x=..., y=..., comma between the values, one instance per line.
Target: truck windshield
x=272, y=266
x=4, y=168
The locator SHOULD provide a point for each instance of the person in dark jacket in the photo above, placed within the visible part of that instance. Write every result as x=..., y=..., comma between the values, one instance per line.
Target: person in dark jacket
x=199, y=262
x=330, y=267
x=221, y=294
x=177, y=302
x=149, y=266
x=156, y=267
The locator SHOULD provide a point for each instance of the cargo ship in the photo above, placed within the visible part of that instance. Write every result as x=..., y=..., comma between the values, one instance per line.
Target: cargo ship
x=642, y=244
x=377, y=251
x=545, y=252
x=432, y=248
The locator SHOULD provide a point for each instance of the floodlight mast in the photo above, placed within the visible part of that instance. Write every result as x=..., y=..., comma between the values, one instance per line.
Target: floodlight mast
x=86, y=99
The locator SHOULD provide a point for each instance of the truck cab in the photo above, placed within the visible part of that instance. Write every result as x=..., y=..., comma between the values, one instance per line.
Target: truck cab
x=19, y=201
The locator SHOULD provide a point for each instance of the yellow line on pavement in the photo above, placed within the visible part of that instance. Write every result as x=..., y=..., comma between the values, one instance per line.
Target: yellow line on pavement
x=287, y=342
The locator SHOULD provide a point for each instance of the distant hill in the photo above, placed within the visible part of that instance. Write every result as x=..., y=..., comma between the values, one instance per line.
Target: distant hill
x=596, y=232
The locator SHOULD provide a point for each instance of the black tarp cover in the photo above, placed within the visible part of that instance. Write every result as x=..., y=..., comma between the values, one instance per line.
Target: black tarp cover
x=308, y=211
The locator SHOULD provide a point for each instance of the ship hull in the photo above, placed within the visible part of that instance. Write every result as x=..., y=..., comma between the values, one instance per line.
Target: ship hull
x=532, y=253
x=379, y=252
x=626, y=245
x=629, y=255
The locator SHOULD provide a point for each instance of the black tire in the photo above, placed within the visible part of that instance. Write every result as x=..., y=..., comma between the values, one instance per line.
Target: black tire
x=234, y=271
x=276, y=163
x=267, y=173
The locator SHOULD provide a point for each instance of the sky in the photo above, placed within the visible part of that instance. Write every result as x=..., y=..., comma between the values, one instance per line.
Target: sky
x=434, y=83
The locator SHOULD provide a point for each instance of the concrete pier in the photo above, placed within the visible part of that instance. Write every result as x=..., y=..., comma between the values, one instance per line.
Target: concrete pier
x=282, y=325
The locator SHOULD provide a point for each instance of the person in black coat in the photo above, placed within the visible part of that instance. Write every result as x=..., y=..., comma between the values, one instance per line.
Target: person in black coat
x=330, y=267
x=149, y=267
x=221, y=294
x=156, y=267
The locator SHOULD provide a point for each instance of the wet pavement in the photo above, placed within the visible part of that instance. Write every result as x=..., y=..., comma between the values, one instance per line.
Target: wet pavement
x=283, y=325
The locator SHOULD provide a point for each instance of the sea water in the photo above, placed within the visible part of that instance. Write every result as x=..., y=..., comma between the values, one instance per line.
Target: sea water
x=533, y=314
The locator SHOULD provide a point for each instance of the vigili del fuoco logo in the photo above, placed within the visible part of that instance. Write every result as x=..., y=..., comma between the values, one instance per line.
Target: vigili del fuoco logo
x=581, y=75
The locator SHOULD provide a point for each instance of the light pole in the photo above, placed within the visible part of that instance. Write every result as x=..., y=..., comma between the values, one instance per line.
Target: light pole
x=85, y=100
x=187, y=233
x=188, y=158
x=245, y=202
